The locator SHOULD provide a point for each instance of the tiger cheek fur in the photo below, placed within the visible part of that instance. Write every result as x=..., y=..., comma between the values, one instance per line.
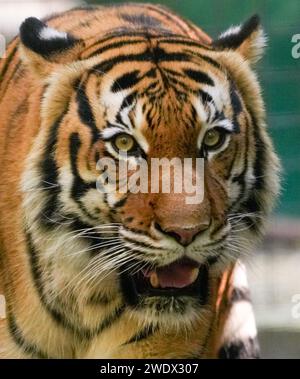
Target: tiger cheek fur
x=76, y=261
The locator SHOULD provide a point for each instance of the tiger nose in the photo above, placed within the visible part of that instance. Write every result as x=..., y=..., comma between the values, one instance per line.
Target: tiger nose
x=184, y=236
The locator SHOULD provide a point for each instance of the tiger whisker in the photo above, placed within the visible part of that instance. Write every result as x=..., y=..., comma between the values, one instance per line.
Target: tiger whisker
x=86, y=268
x=81, y=232
x=109, y=267
x=94, y=247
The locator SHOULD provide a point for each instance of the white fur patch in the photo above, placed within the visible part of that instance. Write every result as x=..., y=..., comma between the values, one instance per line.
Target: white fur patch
x=232, y=30
x=139, y=118
x=48, y=33
x=241, y=323
x=226, y=124
x=240, y=276
x=112, y=131
x=258, y=45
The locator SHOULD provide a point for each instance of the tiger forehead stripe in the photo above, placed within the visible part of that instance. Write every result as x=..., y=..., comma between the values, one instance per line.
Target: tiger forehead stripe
x=126, y=40
x=156, y=54
x=125, y=81
x=118, y=41
x=199, y=77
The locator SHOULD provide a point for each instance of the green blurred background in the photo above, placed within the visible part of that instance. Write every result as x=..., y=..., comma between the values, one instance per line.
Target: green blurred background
x=279, y=72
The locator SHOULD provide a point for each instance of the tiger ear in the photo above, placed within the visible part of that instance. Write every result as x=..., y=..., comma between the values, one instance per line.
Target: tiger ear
x=248, y=39
x=43, y=48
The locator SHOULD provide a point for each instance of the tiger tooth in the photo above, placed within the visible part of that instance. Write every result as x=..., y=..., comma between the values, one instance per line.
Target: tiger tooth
x=154, y=280
x=194, y=274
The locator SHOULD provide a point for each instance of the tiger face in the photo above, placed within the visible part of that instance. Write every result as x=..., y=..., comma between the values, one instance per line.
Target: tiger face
x=145, y=96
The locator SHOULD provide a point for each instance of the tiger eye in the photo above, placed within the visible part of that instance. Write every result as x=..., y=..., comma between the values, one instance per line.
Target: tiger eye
x=124, y=142
x=212, y=138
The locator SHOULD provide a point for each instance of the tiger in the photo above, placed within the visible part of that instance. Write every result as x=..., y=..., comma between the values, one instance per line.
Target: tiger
x=88, y=273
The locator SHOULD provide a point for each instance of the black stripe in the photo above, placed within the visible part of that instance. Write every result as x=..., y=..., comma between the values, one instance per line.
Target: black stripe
x=127, y=102
x=194, y=115
x=155, y=55
x=124, y=32
x=158, y=54
x=213, y=259
x=85, y=111
x=99, y=299
x=235, y=100
x=180, y=83
x=234, y=155
x=89, y=235
x=236, y=105
x=211, y=244
x=120, y=202
x=108, y=64
x=240, y=178
x=199, y=77
x=49, y=172
x=36, y=272
x=206, y=98
x=206, y=58
x=210, y=61
x=241, y=349
x=138, y=243
x=143, y=334
x=260, y=157
x=182, y=40
x=127, y=80
x=79, y=186
x=149, y=117
x=77, y=226
x=253, y=204
x=116, y=45
x=171, y=72
x=19, y=339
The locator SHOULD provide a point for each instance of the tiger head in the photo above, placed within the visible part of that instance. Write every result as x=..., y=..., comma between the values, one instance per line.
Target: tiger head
x=132, y=97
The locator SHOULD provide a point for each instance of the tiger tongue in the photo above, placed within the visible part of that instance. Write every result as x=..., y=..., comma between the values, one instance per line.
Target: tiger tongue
x=176, y=275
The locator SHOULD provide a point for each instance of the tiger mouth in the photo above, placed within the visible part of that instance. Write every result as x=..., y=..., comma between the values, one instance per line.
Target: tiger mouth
x=184, y=277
